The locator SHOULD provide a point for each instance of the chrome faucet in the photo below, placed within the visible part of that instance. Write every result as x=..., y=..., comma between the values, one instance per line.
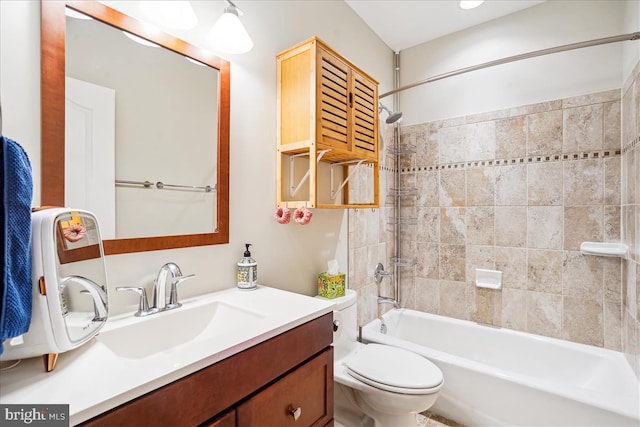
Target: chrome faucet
x=387, y=300
x=97, y=292
x=169, y=273
x=160, y=284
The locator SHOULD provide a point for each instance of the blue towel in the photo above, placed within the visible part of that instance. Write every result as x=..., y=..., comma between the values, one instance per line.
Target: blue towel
x=15, y=252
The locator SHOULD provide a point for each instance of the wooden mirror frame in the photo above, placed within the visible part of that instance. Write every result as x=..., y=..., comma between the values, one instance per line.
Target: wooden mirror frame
x=53, y=30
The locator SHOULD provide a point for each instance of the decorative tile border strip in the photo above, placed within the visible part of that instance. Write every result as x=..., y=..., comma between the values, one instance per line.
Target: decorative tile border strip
x=518, y=161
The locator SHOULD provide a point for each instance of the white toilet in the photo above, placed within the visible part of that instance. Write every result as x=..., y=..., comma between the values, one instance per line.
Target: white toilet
x=377, y=385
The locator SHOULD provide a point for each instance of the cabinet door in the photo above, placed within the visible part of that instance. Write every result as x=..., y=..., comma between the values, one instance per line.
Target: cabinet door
x=364, y=117
x=302, y=398
x=333, y=101
x=228, y=419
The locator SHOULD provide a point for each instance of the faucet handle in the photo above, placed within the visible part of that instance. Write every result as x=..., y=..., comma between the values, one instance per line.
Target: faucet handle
x=97, y=316
x=173, y=299
x=143, y=304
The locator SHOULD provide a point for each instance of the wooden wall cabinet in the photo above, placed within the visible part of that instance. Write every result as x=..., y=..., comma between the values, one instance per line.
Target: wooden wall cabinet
x=327, y=118
x=285, y=381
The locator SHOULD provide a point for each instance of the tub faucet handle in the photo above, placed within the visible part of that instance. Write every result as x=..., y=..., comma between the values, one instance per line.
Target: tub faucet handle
x=380, y=273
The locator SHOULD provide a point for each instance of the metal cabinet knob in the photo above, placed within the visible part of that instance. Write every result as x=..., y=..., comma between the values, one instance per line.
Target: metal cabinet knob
x=295, y=413
x=336, y=325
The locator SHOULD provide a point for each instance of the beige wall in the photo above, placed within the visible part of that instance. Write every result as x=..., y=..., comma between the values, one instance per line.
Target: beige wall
x=290, y=256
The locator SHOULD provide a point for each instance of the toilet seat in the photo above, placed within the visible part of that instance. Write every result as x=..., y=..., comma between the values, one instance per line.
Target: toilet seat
x=394, y=369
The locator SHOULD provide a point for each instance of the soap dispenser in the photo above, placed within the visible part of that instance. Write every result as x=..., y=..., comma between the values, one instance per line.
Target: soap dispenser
x=247, y=271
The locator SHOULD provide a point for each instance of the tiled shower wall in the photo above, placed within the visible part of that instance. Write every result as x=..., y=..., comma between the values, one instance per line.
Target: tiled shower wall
x=516, y=190
x=630, y=218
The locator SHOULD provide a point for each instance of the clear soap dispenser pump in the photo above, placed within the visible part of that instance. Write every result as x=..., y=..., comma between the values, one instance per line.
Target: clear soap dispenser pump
x=247, y=271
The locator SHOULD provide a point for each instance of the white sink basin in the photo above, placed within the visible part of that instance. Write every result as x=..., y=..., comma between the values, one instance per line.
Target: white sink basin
x=168, y=331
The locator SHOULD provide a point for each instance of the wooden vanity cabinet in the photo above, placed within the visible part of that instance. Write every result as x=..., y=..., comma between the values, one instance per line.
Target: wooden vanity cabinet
x=327, y=109
x=264, y=385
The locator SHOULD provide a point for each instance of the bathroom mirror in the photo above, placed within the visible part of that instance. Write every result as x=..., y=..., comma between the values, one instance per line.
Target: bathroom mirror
x=147, y=187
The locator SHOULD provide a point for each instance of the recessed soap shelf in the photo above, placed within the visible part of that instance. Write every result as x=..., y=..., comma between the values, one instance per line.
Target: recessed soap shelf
x=612, y=249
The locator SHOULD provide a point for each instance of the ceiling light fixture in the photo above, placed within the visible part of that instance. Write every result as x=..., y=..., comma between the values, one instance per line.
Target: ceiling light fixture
x=470, y=4
x=172, y=14
x=228, y=35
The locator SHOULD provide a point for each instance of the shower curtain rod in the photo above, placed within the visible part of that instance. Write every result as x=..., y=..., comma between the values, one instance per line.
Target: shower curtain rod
x=588, y=43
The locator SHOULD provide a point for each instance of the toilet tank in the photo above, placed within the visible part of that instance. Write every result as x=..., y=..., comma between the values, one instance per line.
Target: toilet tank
x=345, y=317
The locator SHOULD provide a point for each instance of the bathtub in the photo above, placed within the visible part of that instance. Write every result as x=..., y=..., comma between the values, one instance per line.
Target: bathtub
x=495, y=376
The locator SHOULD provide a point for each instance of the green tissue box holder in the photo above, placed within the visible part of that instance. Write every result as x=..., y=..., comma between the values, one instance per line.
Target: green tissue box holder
x=331, y=286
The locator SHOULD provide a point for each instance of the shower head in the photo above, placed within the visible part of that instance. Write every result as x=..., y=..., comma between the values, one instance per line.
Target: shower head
x=392, y=116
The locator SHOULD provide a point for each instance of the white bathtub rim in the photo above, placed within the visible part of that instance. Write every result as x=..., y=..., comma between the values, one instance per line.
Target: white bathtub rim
x=619, y=404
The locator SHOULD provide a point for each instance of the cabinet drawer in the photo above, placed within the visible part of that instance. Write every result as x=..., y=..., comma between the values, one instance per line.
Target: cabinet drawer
x=308, y=389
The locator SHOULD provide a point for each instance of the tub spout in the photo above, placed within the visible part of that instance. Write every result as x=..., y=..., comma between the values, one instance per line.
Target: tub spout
x=388, y=300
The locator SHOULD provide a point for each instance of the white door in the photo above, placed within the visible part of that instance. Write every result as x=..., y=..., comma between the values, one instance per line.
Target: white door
x=90, y=152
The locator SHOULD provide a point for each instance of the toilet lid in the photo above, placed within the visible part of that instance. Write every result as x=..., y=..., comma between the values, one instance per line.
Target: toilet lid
x=393, y=369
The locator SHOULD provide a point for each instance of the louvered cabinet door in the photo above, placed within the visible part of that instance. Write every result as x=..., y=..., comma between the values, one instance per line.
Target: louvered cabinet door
x=333, y=101
x=364, y=117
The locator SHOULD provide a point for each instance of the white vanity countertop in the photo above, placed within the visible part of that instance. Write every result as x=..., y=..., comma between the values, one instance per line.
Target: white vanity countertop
x=101, y=375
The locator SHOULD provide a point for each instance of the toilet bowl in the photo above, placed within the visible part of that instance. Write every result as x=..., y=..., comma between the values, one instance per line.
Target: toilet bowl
x=377, y=385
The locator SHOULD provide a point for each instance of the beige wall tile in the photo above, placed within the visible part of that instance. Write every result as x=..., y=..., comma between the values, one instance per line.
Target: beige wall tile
x=511, y=137
x=612, y=268
x=512, y=262
x=427, y=146
x=544, y=227
x=583, y=321
x=544, y=270
x=484, y=305
x=428, y=295
x=612, y=223
x=613, y=325
x=428, y=186
x=583, y=183
x=514, y=309
x=582, y=276
x=452, y=262
x=428, y=229
x=478, y=257
x=511, y=226
x=612, y=133
x=453, y=228
x=479, y=222
x=582, y=224
x=452, y=188
x=481, y=186
x=592, y=98
x=612, y=176
x=452, y=299
x=511, y=185
x=428, y=261
x=583, y=128
x=544, y=314
x=544, y=133
x=544, y=184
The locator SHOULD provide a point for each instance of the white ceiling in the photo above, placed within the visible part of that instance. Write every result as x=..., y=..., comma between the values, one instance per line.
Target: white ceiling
x=405, y=23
